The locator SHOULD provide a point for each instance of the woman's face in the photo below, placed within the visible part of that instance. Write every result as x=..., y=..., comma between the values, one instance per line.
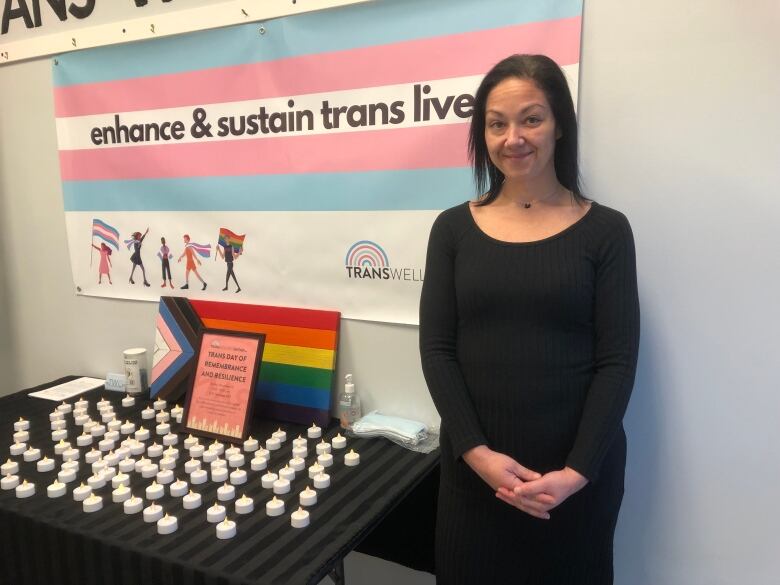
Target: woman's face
x=520, y=130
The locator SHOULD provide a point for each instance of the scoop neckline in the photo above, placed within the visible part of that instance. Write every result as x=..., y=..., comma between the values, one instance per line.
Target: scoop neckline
x=550, y=238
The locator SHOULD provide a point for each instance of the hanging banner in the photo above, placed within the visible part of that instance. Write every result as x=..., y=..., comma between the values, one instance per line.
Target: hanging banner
x=299, y=165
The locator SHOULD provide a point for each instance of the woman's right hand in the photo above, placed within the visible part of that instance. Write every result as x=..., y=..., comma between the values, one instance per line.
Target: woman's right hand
x=496, y=469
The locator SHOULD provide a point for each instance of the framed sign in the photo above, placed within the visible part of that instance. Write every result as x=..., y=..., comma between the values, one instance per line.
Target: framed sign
x=222, y=384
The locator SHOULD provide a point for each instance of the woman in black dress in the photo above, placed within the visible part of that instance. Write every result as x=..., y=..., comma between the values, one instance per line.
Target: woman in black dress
x=529, y=333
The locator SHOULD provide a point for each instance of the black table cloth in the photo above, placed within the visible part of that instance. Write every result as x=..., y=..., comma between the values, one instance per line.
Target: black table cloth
x=51, y=541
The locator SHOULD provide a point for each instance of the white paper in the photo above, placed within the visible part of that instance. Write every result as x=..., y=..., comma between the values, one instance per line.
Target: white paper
x=68, y=389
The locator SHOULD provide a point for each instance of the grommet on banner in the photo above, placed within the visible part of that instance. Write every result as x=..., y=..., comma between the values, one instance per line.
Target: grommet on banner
x=151, y=28
x=56, y=62
x=262, y=30
x=4, y=55
x=73, y=41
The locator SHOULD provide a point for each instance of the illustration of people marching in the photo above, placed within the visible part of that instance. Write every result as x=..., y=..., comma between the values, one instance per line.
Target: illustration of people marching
x=105, y=239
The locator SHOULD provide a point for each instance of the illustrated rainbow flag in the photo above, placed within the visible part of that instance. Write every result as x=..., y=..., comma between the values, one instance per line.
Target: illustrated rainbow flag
x=299, y=361
x=229, y=238
x=105, y=232
x=203, y=250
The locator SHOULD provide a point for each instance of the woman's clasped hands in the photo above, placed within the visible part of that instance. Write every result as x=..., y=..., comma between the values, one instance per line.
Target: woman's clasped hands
x=532, y=492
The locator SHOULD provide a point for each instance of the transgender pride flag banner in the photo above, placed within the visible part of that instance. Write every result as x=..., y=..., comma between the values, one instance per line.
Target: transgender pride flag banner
x=329, y=140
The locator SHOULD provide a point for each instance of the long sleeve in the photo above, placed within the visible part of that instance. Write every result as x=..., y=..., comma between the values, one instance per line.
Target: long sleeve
x=616, y=329
x=438, y=334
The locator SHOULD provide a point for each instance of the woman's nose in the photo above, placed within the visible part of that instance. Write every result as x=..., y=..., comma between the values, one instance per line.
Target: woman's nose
x=515, y=135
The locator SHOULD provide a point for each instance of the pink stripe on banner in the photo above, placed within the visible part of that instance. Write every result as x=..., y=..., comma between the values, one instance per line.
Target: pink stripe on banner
x=407, y=148
x=432, y=58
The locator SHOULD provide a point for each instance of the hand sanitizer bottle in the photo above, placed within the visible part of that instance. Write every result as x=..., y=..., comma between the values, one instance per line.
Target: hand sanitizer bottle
x=349, y=404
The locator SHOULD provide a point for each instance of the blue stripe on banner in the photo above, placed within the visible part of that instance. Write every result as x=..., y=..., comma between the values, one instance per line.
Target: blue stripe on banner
x=367, y=191
x=323, y=31
x=289, y=394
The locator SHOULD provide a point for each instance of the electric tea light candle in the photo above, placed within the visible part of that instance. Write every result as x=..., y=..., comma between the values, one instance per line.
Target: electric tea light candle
x=178, y=488
x=244, y=505
x=259, y=463
x=275, y=507
x=45, y=464
x=267, y=481
x=299, y=518
x=191, y=501
x=92, y=503
x=314, y=432
x=133, y=505
x=120, y=494
x=238, y=477
x=56, y=489
x=216, y=513
x=167, y=525
x=10, y=467
x=9, y=482
x=18, y=448
x=25, y=489
x=22, y=425
x=226, y=529
x=226, y=492
x=251, y=445
x=81, y=493
x=308, y=497
x=351, y=459
x=153, y=513
x=322, y=481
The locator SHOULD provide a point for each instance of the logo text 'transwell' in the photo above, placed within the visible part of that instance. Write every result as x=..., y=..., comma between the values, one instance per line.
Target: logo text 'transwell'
x=367, y=260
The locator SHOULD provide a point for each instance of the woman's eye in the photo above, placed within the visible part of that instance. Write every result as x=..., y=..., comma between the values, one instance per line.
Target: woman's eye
x=533, y=120
x=496, y=124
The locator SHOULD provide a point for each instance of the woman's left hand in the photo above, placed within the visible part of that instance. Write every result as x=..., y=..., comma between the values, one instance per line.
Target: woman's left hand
x=545, y=493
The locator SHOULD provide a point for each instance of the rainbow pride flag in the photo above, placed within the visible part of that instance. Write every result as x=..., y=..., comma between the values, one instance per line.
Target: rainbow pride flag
x=299, y=361
x=105, y=232
x=229, y=238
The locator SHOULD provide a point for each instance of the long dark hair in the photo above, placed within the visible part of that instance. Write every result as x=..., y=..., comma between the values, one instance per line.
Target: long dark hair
x=549, y=78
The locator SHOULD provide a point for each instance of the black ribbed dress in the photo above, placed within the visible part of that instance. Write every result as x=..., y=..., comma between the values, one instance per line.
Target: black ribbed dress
x=530, y=349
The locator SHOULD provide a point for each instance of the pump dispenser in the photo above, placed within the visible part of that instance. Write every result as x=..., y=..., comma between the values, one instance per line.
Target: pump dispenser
x=349, y=404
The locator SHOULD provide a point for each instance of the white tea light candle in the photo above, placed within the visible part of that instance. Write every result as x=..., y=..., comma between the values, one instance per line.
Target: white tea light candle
x=215, y=514
x=153, y=513
x=275, y=507
x=167, y=525
x=314, y=432
x=299, y=518
x=133, y=505
x=81, y=493
x=92, y=503
x=226, y=529
x=191, y=501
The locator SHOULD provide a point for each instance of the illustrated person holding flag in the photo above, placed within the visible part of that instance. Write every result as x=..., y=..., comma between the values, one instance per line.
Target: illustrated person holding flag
x=110, y=237
x=105, y=262
x=192, y=251
x=230, y=247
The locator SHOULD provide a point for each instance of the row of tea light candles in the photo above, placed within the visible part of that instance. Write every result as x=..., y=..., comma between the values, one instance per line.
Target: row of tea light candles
x=168, y=524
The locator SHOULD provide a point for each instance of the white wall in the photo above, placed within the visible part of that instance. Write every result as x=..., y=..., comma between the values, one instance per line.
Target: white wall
x=679, y=130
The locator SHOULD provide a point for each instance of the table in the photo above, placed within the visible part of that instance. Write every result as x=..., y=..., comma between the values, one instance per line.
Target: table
x=53, y=541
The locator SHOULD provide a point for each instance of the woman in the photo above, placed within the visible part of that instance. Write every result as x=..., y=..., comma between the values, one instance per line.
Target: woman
x=105, y=262
x=529, y=332
x=135, y=258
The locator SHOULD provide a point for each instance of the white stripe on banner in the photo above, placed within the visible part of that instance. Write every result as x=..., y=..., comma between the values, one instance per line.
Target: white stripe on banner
x=231, y=123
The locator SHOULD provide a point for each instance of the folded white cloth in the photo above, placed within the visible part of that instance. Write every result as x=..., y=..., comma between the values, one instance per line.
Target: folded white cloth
x=400, y=430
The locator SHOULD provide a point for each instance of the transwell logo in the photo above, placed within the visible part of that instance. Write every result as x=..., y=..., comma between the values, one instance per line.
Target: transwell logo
x=368, y=260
